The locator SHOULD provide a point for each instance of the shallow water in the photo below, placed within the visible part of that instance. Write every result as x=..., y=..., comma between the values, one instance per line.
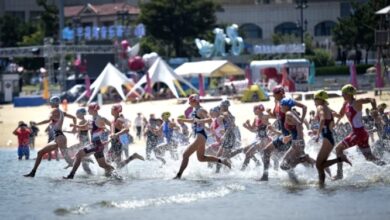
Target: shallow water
x=147, y=191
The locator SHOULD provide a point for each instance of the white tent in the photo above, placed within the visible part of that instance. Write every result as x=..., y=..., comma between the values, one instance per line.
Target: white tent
x=160, y=71
x=383, y=11
x=209, y=68
x=110, y=76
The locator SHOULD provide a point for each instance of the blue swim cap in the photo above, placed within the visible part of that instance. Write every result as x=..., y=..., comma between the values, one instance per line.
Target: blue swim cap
x=215, y=109
x=289, y=102
x=225, y=103
x=81, y=111
x=55, y=100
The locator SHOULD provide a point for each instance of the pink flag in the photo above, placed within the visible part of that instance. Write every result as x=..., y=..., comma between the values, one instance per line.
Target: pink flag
x=353, y=75
x=379, y=77
x=148, y=84
x=248, y=75
x=87, y=86
x=201, y=86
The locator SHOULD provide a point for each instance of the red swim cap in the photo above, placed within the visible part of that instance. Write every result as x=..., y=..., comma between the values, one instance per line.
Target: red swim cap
x=93, y=106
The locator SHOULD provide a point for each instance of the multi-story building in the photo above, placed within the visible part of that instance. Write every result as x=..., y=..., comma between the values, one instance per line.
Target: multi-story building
x=258, y=19
x=101, y=14
x=29, y=10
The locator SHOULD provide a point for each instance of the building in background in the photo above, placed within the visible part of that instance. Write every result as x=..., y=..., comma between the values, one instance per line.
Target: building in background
x=29, y=10
x=102, y=14
x=259, y=20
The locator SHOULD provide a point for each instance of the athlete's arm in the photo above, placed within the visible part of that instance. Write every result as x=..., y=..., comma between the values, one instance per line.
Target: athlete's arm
x=204, y=117
x=102, y=122
x=321, y=114
x=273, y=130
x=366, y=101
x=270, y=113
x=71, y=117
x=80, y=126
x=304, y=110
x=44, y=122
x=252, y=127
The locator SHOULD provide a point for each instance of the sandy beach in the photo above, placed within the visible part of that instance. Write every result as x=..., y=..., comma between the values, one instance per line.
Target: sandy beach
x=10, y=116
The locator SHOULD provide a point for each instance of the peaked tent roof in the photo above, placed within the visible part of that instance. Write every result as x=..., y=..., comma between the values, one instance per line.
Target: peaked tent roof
x=209, y=68
x=110, y=76
x=160, y=71
x=385, y=10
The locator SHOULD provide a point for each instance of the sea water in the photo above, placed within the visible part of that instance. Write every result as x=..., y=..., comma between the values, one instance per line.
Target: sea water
x=147, y=191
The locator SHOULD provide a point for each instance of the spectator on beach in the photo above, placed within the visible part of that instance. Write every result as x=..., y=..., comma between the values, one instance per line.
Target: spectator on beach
x=34, y=133
x=234, y=90
x=23, y=134
x=138, y=122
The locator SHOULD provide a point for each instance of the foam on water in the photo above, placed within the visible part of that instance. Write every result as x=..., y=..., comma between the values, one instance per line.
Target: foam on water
x=158, y=201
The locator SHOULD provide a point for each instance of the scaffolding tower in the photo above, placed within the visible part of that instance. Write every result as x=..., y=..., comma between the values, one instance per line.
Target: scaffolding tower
x=56, y=52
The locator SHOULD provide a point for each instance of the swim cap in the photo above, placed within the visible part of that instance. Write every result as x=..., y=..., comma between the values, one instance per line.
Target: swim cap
x=165, y=115
x=215, y=109
x=321, y=94
x=348, y=89
x=278, y=89
x=117, y=108
x=259, y=106
x=382, y=105
x=55, y=100
x=93, y=106
x=225, y=103
x=194, y=98
x=289, y=102
x=81, y=111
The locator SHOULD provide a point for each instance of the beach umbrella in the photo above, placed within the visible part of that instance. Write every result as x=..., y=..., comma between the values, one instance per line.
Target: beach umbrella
x=87, y=86
x=353, y=75
x=312, y=74
x=379, y=76
x=248, y=75
x=201, y=85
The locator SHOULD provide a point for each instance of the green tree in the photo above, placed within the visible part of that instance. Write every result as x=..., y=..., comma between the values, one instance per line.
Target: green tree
x=358, y=29
x=35, y=38
x=10, y=31
x=49, y=18
x=175, y=22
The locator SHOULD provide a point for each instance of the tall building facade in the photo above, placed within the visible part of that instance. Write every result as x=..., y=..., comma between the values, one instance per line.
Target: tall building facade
x=259, y=20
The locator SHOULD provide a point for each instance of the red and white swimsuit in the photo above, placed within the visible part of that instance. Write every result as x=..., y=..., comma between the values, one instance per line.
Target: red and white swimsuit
x=359, y=135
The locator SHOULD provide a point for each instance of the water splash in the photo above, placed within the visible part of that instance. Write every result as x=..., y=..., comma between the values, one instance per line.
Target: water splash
x=183, y=198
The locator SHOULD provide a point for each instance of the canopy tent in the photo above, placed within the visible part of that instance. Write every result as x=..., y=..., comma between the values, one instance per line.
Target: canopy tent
x=160, y=71
x=110, y=76
x=210, y=68
x=257, y=66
